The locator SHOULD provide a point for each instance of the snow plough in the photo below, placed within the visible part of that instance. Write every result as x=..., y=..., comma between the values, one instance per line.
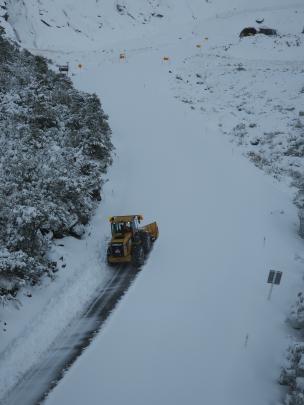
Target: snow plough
x=130, y=242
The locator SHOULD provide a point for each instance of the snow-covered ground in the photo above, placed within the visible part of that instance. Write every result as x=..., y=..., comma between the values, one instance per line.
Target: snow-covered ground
x=46, y=310
x=255, y=87
x=196, y=326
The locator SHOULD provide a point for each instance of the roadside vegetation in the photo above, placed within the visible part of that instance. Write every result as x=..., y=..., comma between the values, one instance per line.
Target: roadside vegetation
x=55, y=147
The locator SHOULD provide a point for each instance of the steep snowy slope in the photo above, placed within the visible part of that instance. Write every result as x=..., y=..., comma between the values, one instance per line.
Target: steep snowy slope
x=46, y=24
x=197, y=326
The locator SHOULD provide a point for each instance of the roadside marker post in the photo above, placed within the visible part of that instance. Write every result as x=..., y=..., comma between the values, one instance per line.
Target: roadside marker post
x=246, y=340
x=274, y=277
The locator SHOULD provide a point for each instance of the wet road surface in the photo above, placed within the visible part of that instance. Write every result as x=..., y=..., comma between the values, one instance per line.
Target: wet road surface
x=33, y=388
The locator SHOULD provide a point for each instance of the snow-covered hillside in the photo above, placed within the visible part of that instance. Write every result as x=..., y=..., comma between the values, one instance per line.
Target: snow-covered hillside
x=255, y=86
x=196, y=326
x=46, y=24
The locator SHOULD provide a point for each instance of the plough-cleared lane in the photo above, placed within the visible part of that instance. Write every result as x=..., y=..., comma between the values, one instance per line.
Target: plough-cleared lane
x=36, y=385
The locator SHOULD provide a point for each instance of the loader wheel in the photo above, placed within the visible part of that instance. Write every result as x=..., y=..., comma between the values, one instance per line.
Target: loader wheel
x=146, y=242
x=138, y=256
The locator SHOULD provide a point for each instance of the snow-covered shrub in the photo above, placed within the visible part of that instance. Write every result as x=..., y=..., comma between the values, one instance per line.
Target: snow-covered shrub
x=292, y=374
x=296, y=316
x=55, y=145
x=296, y=398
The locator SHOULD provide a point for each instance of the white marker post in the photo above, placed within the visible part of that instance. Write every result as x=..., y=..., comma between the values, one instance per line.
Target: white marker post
x=274, y=277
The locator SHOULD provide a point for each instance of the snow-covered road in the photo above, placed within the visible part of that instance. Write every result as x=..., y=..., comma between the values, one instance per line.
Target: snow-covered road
x=69, y=345
x=197, y=325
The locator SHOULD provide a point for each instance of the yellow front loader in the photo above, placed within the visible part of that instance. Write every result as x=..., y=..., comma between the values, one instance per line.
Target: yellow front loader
x=130, y=242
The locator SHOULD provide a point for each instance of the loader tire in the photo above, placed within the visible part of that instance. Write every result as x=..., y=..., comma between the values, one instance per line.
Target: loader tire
x=138, y=256
x=146, y=242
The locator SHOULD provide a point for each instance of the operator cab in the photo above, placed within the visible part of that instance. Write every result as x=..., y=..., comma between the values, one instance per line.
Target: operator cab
x=121, y=228
x=122, y=225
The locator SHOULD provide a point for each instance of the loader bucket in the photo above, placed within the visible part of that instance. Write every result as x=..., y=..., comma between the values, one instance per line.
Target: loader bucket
x=152, y=229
